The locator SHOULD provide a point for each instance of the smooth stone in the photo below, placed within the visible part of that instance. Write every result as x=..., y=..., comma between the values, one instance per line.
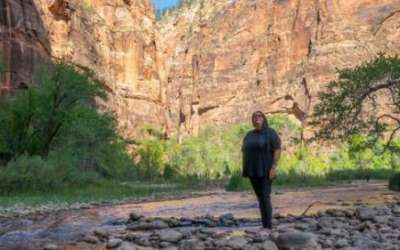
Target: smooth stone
x=335, y=212
x=113, y=243
x=396, y=210
x=228, y=216
x=135, y=217
x=296, y=241
x=366, y=243
x=186, y=232
x=237, y=242
x=143, y=241
x=341, y=243
x=269, y=245
x=365, y=213
x=170, y=235
x=191, y=244
x=171, y=248
x=152, y=225
x=325, y=222
x=165, y=244
x=127, y=246
x=50, y=246
x=90, y=239
x=380, y=219
x=221, y=242
x=101, y=233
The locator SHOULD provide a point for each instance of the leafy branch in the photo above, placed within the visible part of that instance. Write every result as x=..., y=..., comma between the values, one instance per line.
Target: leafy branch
x=364, y=99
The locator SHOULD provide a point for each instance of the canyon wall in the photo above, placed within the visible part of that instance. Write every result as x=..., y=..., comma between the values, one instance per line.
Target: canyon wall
x=226, y=59
x=115, y=38
x=208, y=63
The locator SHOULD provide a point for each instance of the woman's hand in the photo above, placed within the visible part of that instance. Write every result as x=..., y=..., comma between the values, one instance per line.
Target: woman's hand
x=272, y=173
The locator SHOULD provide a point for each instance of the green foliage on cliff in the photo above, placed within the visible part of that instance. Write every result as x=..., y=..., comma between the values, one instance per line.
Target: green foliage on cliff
x=52, y=134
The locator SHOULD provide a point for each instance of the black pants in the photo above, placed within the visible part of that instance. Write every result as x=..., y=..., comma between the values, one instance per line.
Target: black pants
x=262, y=188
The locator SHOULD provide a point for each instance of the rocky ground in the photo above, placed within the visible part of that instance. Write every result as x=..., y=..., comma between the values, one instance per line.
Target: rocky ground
x=367, y=216
x=360, y=228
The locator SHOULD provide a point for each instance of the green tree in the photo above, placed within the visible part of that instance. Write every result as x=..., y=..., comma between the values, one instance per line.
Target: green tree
x=33, y=120
x=58, y=121
x=351, y=109
x=350, y=104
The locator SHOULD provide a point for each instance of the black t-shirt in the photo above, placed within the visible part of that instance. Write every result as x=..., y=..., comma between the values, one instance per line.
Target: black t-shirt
x=258, y=148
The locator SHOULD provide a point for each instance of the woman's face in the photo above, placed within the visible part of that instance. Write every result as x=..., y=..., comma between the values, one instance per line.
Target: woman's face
x=258, y=120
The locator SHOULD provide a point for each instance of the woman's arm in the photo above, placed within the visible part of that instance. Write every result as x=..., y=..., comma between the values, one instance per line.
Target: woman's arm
x=277, y=156
x=276, y=147
x=272, y=172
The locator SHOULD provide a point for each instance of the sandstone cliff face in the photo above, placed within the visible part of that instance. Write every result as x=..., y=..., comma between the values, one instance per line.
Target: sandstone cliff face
x=226, y=59
x=223, y=58
x=115, y=38
x=24, y=43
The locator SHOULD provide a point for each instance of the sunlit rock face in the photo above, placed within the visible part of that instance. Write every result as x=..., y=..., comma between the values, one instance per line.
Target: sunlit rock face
x=227, y=58
x=210, y=63
x=114, y=38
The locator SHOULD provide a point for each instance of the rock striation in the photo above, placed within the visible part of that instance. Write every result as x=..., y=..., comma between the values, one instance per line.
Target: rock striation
x=225, y=59
x=209, y=63
x=114, y=38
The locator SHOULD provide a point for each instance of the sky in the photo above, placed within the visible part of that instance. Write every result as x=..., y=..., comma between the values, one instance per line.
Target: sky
x=161, y=4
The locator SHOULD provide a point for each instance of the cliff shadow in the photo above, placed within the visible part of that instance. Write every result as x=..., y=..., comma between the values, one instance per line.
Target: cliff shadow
x=24, y=43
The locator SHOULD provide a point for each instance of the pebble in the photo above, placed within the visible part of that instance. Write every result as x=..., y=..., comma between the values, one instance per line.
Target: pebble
x=50, y=246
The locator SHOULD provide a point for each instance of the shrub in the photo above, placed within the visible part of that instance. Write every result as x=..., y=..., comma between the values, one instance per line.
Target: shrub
x=302, y=163
x=238, y=183
x=35, y=173
x=359, y=158
x=152, y=159
x=394, y=182
x=213, y=154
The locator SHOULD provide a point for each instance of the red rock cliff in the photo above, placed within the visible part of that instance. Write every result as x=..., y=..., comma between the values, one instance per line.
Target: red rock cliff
x=226, y=59
x=115, y=38
x=223, y=58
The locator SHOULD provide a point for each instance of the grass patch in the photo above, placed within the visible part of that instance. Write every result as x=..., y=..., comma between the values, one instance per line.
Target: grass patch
x=104, y=191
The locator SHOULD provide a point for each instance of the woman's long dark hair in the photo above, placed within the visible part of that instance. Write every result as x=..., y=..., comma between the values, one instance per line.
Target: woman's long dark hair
x=265, y=123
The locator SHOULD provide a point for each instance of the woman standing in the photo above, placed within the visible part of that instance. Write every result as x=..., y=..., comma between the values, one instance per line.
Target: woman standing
x=261, y=150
